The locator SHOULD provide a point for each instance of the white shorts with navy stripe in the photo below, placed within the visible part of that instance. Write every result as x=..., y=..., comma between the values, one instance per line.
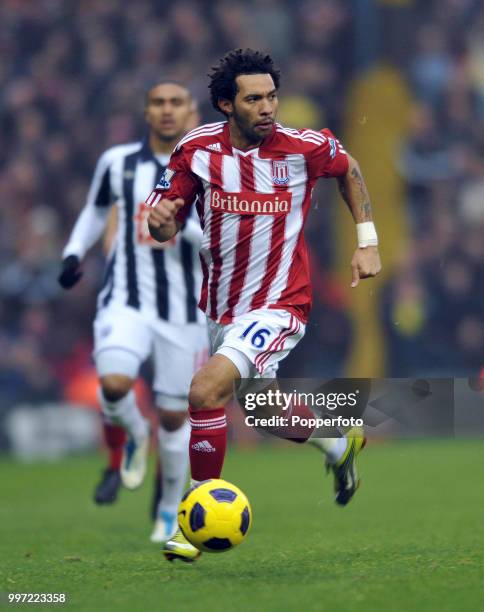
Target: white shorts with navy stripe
x=257, y=341
x=178, y=351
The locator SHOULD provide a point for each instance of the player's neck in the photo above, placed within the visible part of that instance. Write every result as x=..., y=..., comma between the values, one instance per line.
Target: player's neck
x=239, y=140
x=161, y=147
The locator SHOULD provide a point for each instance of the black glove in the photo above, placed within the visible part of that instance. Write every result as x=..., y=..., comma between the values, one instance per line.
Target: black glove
x=71, y=272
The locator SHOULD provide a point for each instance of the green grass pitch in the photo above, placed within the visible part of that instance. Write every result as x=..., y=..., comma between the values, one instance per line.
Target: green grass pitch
x=412, y=539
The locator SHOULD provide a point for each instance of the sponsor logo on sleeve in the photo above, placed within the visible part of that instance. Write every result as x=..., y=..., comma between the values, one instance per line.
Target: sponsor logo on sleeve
x=165, y=180
x=332, y=147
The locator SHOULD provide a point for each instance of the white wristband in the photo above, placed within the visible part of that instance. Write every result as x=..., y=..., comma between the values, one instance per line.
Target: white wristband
x=366, y=234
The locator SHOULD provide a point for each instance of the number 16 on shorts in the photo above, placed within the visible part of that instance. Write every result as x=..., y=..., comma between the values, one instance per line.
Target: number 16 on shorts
x=269, y=338
x=257, y=336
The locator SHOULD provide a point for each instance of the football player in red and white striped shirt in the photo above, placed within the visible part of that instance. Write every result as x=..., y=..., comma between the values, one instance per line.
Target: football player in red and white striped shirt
x=252, y=179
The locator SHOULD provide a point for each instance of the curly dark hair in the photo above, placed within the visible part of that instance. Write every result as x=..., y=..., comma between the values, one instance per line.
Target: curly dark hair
x=233, y=64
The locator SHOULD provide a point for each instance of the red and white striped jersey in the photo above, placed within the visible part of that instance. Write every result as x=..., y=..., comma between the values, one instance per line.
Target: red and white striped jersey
x=252, y=207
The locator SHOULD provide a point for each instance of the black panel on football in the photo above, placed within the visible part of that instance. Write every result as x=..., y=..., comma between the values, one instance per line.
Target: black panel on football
x=244, y=523
x=197, y=517
x=223, y=495
x=218, y=544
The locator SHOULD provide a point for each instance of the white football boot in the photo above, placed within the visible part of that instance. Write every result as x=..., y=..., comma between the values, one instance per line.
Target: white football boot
x=165, y=527
x=133, y=465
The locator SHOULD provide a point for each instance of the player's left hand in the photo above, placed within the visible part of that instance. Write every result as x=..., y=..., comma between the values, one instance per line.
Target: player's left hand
x=70, y=273
x=365, y=264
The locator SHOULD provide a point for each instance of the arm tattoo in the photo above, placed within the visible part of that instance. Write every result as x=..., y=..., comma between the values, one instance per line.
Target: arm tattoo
x=354, y=193
x=366, y=211
x=359, y=179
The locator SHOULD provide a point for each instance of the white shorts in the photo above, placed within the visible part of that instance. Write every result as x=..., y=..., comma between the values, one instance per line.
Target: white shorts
x=124, y=338
x=257, y=341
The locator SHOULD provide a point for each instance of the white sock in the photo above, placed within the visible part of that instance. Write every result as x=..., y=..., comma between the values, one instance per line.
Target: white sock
x=126, y=413
x=173, y=449
x=333, y=448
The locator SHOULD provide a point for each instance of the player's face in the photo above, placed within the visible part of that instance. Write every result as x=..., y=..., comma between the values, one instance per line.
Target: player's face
x=255, y=105
x=169, y=111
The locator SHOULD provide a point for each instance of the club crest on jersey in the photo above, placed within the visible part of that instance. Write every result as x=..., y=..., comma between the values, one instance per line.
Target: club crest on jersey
x=280, y=172
x=165, y=180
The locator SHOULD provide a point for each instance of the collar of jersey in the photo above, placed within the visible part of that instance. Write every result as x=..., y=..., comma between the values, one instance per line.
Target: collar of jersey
x=146, y=154
x=258, y=150
x=245, y=153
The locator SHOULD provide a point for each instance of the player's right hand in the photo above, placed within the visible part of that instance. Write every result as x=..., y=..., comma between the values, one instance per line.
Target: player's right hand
x=164, y=212
x=365, y=264
x=70, y=272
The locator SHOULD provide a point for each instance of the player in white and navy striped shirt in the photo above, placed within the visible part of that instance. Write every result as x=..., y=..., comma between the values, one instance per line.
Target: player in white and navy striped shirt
x=147, y=304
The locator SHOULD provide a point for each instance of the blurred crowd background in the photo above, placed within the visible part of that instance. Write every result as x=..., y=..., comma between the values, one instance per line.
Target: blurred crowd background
x=72, y=80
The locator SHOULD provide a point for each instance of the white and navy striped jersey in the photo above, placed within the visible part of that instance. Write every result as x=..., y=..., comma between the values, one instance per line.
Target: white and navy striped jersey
x=161, y=280
x=253, y=206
